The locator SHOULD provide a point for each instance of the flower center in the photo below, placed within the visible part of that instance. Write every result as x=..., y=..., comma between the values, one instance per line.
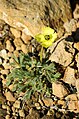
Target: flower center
x=47, y=37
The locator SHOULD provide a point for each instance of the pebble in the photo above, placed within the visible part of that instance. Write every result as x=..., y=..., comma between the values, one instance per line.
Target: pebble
x=3, y=54
x=69, y=76
x=48, y=101
x=25, y=38
x=17, y=104
x=4, y=82
x=18, y=42
x=7, y=65
x=16, y=53
x=21, y=113
x=13, y=108
x=24, y=48
x=77, y=87
x=9, y=54
x=11, y=87
x=9, y=96
x=76, y=45
x=0, y=61
x=15, y=32
x=59, y=90
x=37, y=105
x=9, y=47
x=7, y=117
x=5, y=71
x=4, y=106
x=73, y=104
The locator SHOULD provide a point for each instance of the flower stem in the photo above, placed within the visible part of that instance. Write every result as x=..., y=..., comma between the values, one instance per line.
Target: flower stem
x=41, y=54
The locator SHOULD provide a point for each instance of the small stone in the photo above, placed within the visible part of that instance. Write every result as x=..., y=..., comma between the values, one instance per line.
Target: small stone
x=9, y=54
x=77, y=87
x=9, y=47
x=48, y=101
x=59, y=90
x=24, y=48
x=11, y=87
x=7, y=117
x=7, y=66
x=11, y=60
x=37, y=105
x=0, y=61
x=17, y=104
x=4, y=106
x=21, y=113
x=69, y=76
x=15, y=32
x=9, y=96
x=40, y=102
x=76, y=12
x=4, y=82
x=8, y=108
x=13, y=109
x=70, y=25
x=62, y=102
x=25, y=38
x=16, y=53
x=77, y=24
x=18, y=42
x=77, y=60
x=76, y=45
x=73, y=104
x=3, y=54
x=5, y=71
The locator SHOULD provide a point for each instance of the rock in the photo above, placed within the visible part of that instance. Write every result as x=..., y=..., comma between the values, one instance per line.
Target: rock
x=4, y=82
x=37, y=105
x=70, y=26
x=33, y=115
x=25, y=38
x=76, y=12
x=77, y=24
x=16, y=53
x=59, y=90
x=13, y=108
x=7, y=65
x=0, y=61
x=4, y=106
x=17, y=104
x=9, y=47
x=21, y=113
x=24, y=48
x=77, y=87
x=3, y=54
x=69, y=76
x=15, y=32
x=77, y=60
x=76, y=45
x=18, y=42
x=5, y=71
x=73, y=103
x=62, y=52
x=31, y=16
x=48, y=102
x=62, y=102
x=7, y=117
x=11, y=87
x=9, y=96
x=10, y=54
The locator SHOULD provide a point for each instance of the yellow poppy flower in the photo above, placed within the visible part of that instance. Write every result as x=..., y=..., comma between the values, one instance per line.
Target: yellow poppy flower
x=47, y=37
